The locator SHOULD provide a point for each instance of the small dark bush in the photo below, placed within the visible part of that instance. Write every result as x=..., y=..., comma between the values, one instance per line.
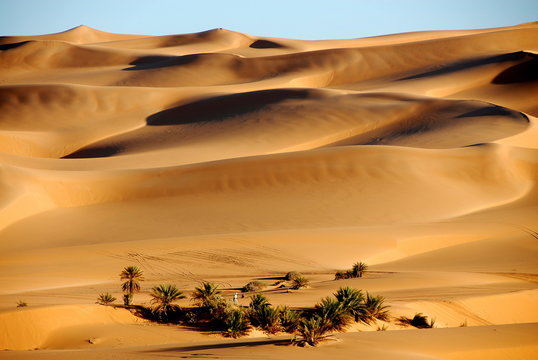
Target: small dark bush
x=254, y=286
x=267, y=319
x=292, y=275
x=235, y=324
x=357, y=271
x=335, y=317
x=105, y=299
x=299, y=282
x=289, y=319
x=311, y=331
x=419, y=321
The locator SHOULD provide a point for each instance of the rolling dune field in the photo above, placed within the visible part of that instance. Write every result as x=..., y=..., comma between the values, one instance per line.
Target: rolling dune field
x=228, y=157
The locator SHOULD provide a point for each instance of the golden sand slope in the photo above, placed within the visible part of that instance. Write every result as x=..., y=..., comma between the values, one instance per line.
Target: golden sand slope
x=224, y=156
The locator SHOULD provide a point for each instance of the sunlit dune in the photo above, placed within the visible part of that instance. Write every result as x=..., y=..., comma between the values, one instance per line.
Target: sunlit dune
x=226, y=157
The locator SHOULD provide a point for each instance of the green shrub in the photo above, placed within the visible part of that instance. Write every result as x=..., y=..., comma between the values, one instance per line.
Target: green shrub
x=190, y=318
x=340, y=275
x=311, y=331
x=352, y=301
x=257, y=301
x=292, y=275
x=299, y=282
x=235, y=324
x=105, y=299
x=357, y=271
x=267, y=318
x=254, y=286
x=289, y=319
x=374, y=308
x=334, y=315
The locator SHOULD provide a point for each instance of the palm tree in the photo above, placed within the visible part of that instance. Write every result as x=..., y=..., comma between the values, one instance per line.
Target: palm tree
x=374, y=308
x=336, y=318
x=358, y=269
x=206, y=294
x=352, y=301
x=133, y=275
x=163, y=298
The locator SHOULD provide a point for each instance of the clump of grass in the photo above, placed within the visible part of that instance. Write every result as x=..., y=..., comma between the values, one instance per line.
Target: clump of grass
x=419, y=321
x=22, y=303
x=254, y=286
x=357, y=271
x=105, y=299
x=384, y=327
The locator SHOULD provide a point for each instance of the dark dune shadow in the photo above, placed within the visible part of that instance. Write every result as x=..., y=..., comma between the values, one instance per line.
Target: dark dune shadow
x=525, y=72
x=493, y=110
x=271, y=278
x=220, y=107
x=158, y=61
x=93, y=152
x=265, y=44
x=12, y=45
x=470, y=63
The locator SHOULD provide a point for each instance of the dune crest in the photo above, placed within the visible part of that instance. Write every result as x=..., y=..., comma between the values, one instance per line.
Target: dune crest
x=226, y=156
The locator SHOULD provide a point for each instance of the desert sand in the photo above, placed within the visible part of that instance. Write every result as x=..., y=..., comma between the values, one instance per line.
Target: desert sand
x=228, y=157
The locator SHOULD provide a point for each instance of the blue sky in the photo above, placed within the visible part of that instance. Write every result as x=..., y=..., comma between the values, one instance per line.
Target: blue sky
x=300, y=19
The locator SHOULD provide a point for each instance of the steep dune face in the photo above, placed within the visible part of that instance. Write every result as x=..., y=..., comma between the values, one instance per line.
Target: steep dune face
x=244, y=155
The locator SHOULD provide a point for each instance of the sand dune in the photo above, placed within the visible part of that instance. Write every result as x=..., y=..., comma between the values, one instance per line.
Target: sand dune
x=225, y=156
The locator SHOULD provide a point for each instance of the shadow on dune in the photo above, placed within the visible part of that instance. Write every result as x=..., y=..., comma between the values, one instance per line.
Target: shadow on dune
x=159, y=61
x=93, y=152
x=12, y=45
x=470, y=63
x=493, y=110
x=524, y=72
x=220, y=107
x=225, y=345
x=265, y=44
